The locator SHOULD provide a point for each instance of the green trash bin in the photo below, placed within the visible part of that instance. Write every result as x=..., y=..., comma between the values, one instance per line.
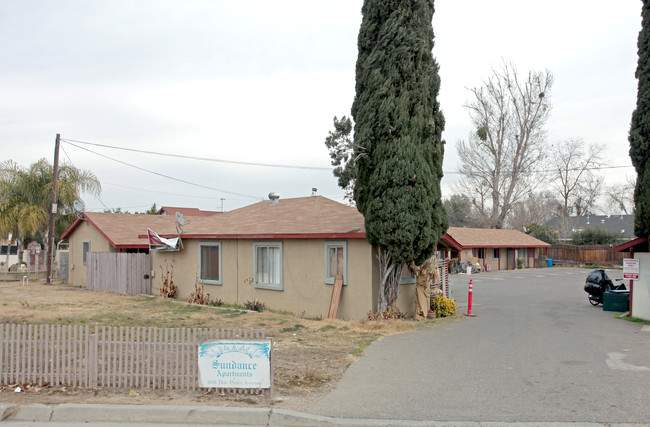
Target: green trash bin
x=616, y=301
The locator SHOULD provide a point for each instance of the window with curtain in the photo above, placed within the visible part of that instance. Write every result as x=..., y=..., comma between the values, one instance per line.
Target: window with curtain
x=268, y=265
x=210, y=263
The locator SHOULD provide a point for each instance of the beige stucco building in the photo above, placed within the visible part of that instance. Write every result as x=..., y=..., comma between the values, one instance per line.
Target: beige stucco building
x=496, y=249
x=284, y=254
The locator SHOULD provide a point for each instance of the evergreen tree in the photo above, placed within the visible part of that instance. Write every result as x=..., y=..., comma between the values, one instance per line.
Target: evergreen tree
x=397, y=137
x=640, y=129
x=543, y=233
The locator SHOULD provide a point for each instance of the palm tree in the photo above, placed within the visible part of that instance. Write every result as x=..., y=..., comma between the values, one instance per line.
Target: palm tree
x=25, y=195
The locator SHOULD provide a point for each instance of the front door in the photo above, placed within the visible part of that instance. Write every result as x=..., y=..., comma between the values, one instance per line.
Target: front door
x=512, y=260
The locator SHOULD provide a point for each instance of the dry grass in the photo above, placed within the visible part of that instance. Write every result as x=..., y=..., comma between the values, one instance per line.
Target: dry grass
x=310, y=356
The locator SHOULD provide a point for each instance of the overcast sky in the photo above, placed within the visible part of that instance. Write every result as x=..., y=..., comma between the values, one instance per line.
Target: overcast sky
x=259, y=81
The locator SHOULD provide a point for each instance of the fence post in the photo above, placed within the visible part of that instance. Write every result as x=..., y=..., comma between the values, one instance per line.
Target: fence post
x=92, y=360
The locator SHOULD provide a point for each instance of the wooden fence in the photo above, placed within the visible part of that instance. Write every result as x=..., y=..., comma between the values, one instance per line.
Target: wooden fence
x=122, y=273
x=106, y=356
x=604, y=255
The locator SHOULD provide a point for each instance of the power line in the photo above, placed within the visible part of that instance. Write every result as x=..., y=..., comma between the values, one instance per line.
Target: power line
x=167, y=176
x=72, y=163
x=273, y=165
x=205, y=159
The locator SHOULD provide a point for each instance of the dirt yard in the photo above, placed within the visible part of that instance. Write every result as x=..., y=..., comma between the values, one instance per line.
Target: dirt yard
x=310, y=355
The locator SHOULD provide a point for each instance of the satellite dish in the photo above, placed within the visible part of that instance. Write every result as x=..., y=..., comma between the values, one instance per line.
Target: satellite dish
x=181, y=221
x=78, y=206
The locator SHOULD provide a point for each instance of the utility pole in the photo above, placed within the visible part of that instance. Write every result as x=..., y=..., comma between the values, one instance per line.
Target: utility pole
x=53, y=206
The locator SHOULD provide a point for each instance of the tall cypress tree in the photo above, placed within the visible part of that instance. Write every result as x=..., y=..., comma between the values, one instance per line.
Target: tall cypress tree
x=397, y=134
x=640, y=129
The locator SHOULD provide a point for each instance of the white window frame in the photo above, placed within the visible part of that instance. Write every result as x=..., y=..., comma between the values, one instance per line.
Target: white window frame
x=271, y=286
x=84, y=251
x=219, y=280
x=329, y=280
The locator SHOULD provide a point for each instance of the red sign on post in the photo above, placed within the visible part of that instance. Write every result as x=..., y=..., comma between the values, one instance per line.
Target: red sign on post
x=631, y=268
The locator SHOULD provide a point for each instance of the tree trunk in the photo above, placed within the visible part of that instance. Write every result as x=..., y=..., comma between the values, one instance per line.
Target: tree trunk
x=389, y=275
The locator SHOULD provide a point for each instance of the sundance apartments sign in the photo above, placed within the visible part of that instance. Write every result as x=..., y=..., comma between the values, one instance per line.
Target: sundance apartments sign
x=235, y=364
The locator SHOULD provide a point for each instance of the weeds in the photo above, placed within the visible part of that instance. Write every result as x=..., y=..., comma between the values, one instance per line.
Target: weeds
x=254, y=305
x=293, y=329
x=200, y=297
x=168, y=289
x=633, y=319
x=389, y=314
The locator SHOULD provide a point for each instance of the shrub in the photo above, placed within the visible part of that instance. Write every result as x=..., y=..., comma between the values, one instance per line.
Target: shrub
x=543, y=233
x=594, y=236
x=254, y=305
x=443, y=306
x=520, y=263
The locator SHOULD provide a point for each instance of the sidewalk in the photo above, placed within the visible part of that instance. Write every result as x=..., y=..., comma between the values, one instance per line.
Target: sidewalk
x=66, y=414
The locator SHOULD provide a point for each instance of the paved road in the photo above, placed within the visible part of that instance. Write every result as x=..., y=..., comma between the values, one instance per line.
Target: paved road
x=536, y=351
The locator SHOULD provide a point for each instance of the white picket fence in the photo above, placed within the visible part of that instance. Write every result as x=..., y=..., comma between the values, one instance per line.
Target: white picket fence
x=108, y=356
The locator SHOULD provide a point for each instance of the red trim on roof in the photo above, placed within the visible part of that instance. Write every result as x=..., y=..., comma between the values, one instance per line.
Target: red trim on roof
x=632, y=243
x=75, y=224
x=451, y=240
x=100, y=231
x=72, y=226
x=267, y=236
x=507, y=246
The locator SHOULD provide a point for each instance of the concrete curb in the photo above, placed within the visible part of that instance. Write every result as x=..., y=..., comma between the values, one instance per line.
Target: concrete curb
x=34, y=412
x=97, y=413
x=5, y=410
x=160, y=414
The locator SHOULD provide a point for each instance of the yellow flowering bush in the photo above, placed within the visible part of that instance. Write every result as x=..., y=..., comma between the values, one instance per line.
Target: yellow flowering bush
x=443, y=306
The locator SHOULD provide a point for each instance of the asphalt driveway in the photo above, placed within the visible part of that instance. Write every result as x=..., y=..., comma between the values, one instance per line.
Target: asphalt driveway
x=536, y=351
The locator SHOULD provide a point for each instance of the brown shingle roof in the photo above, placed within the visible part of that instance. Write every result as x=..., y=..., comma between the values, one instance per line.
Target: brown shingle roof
x=493, y=238
x=302, y=217
x=122, y=230
x=171, y=210
x=306, y=217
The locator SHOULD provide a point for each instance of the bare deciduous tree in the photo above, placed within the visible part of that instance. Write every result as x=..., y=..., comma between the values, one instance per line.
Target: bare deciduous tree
x=572, y=176
x=537, y=208
x=499, y=160
x=585, y=202
x=620, y=198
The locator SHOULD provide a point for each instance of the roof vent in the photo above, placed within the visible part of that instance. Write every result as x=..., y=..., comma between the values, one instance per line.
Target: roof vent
x=274, y=198
x=313, y=191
